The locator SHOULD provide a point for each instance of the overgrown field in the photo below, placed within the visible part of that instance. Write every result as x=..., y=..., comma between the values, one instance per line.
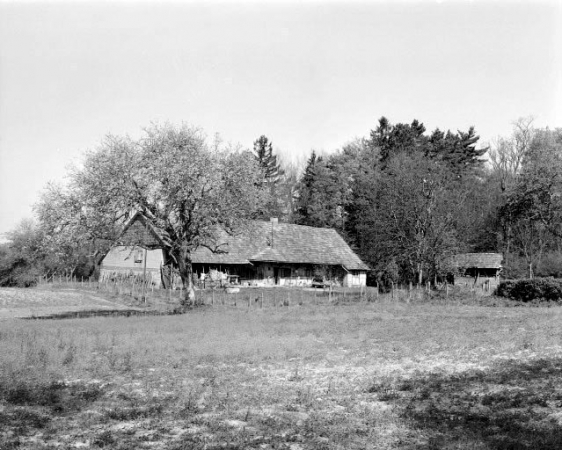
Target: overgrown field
x=318, y=376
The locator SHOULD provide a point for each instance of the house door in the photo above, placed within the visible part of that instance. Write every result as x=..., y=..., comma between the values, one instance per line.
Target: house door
x=276, y=274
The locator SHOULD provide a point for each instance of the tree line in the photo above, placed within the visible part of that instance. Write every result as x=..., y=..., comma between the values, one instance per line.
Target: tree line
x=404, y=198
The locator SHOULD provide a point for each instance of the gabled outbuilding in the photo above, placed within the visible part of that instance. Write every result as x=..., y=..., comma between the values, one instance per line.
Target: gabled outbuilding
x=472, y=267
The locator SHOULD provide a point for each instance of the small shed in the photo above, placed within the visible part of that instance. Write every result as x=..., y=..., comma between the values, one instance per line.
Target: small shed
x=472, y=267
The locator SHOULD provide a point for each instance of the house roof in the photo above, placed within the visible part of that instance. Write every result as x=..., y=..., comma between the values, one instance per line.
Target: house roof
x=139, y=231
x=262, y=241
x=283, y=243
x=478, y=260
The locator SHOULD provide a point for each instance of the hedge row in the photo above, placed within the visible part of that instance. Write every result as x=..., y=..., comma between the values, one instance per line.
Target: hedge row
x=541, y=289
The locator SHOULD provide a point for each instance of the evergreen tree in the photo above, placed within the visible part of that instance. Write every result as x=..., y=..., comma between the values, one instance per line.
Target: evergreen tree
x=400, y=138
x=271, y=178
x=305, y=190
x=457, y=150
x=263, y=153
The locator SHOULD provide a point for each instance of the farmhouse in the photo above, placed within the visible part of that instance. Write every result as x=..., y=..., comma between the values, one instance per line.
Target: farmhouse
x=265, y=253
x=473, y=267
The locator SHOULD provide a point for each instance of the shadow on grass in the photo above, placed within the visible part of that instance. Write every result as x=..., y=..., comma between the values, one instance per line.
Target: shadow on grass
x=513, y=406
x=31, y=405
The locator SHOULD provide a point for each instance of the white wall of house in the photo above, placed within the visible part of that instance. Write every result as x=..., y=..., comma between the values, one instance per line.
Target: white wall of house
x=132, y=258
x=355, y=278
x=128, y=261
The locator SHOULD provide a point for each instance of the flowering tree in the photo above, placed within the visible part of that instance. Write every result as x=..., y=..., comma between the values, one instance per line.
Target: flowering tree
x=186, y=188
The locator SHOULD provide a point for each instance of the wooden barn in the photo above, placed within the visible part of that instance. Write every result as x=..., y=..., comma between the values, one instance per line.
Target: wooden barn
x=471, y=268
x=265, y=254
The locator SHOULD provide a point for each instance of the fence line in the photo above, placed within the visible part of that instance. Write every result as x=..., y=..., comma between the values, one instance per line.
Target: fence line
x=145, y=294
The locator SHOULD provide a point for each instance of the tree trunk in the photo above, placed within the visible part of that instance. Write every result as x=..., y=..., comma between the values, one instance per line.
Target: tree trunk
x=186, y=273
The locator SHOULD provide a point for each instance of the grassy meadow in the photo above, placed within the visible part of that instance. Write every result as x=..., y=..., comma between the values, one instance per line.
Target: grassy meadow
x=342, y=374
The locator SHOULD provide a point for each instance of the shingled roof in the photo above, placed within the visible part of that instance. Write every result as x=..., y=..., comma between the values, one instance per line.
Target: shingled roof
x=283, y=243
x=478, y=260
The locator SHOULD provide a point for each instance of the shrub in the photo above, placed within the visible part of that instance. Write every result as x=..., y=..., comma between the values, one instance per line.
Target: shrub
x=540, y=289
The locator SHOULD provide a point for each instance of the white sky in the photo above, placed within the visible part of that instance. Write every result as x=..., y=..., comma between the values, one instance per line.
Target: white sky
x=308, y=75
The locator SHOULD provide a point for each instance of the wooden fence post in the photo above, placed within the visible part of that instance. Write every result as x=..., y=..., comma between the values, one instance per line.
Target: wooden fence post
x=261, y=300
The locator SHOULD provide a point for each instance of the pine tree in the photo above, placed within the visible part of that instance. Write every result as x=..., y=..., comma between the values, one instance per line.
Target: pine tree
x=320, y=195
x=400, y=138
x=263, y=152
x=458, y=150
x=272, y=176
x=305, y=190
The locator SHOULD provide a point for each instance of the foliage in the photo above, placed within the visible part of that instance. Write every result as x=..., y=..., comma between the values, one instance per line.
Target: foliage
x=531, y=213
x=72, y=231
x=327, y=186
x=267, y=161
x=320, y=199
x=527, y=290
x=30, y=254
x=457, y=150
x=400, y=138
x=412, y=221
x=272, y=178
x=21, y=258
x=183, y=186
x=507, y=154
x=403, y=198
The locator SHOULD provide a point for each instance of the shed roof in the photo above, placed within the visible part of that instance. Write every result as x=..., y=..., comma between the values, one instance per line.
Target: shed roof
x=478, y=260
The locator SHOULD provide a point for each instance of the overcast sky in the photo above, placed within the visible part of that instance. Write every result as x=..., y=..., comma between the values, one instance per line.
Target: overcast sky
x=307, y=75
